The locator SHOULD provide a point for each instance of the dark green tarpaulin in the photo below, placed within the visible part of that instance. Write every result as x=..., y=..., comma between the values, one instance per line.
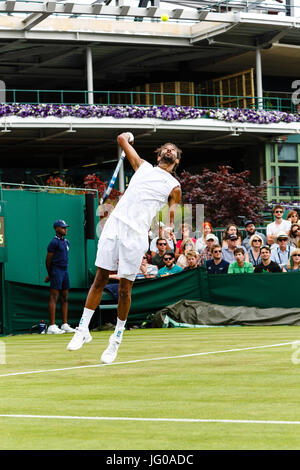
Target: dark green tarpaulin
x=25, y=304
x=203, y=313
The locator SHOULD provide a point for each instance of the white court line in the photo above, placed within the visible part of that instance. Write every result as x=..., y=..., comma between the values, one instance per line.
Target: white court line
x=146, y=360
x=169, y=420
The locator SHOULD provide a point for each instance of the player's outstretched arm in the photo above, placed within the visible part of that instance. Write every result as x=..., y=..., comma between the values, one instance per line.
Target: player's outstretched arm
x=132, y=156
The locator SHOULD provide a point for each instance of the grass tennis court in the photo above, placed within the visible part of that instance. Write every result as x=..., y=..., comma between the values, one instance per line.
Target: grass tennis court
x=175, y=389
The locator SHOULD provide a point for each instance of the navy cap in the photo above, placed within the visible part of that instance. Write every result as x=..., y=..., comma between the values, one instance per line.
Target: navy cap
x=60, y=223
x=248, y=222
x=231, y=237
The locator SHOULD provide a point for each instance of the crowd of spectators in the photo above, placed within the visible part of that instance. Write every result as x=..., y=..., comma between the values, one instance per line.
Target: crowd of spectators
x=234, y=252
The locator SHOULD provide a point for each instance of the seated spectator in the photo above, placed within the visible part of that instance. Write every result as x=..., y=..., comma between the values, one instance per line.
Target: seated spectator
x=201, y=241
x=294, y=236
x=146, y=270
x=231, y=229
x=170, y=266
x=281, y=253
x=267, y=265
x=205, y=254
x=240, y=266
x=186, y=245
x=217, y=265
x=293, y=217
x=294, y=262
x=157, y=259
x=192, y=260
x=254, y=252
x=251, y=230
x=186, y=230
x=168, y=234
x=278, y=226
x=228, y=252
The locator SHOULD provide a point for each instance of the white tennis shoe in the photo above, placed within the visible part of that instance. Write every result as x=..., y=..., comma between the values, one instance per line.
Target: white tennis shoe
x=67, y=329
x=54, y=330
x=110, y=353
x=80, y=337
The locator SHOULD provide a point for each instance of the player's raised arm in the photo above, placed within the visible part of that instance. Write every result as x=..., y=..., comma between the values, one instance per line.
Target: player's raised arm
x=132, y=156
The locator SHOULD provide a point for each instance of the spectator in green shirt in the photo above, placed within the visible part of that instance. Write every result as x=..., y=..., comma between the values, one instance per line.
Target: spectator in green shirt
x=240, y=265
x=170, y=266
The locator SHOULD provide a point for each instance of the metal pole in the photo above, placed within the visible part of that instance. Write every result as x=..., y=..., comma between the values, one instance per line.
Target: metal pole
x=89, y=75
x=121, y=173
x=259, y=87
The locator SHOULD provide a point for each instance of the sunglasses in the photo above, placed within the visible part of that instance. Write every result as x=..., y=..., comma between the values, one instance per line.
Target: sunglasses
x=278, y=212
x=167, y=259
x=257, y=241
x=282, y=239
x=161, y=243
x=296, y=255
x=217, y=251
x=145, y=257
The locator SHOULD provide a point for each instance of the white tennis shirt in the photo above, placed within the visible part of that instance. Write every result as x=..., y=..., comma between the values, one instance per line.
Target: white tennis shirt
x=147, y=192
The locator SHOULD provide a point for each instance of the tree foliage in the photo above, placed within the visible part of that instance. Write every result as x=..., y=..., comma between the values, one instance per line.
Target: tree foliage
x=226, y=196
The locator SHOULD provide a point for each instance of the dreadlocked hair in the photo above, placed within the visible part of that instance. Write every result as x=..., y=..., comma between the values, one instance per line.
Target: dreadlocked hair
x=179, y=152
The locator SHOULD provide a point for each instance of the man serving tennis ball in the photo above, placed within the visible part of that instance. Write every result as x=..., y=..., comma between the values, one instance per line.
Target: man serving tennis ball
x=124, y=239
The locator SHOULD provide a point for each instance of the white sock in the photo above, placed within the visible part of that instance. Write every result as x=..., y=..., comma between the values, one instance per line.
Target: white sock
x=86, y=318
x=120, y=326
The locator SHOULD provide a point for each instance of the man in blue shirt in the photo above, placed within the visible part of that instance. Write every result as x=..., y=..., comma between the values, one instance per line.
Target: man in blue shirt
x=217, y=265
x=170, y=266
x=57, y=268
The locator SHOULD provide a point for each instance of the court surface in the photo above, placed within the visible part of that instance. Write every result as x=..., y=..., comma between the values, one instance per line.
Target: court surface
x=169, y=389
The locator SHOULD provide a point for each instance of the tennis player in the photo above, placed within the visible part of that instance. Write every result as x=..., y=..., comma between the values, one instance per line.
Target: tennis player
x=124, y=239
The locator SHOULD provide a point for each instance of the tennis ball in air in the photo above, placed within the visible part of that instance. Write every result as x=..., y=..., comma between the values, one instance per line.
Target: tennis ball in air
x=164, y=17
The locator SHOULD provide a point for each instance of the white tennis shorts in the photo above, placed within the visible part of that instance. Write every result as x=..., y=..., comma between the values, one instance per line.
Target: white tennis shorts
x=121, y=249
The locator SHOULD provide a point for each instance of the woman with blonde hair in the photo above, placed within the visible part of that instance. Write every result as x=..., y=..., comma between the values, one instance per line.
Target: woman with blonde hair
x=256, y=242
x=186, y=245
x=294, y=262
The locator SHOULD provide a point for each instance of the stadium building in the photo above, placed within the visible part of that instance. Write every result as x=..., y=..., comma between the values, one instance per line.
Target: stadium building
x=74, y=75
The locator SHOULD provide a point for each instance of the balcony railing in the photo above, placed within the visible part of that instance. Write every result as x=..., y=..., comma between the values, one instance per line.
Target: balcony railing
x=139, y=98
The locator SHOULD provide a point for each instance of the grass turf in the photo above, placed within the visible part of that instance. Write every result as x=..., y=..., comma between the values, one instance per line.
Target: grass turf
x=254, y=384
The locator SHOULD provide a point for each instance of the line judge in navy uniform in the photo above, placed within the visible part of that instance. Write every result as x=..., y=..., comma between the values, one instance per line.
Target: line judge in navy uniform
x=57, y=267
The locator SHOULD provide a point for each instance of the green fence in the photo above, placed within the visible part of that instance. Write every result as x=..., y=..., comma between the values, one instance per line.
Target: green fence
x=26, y=305
x=29, y=229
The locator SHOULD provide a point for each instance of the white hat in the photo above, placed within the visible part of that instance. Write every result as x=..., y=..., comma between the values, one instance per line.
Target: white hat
x=281, y=235
x=211, y=236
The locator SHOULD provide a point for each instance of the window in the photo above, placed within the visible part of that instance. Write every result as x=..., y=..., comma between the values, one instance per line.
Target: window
x=283, y=167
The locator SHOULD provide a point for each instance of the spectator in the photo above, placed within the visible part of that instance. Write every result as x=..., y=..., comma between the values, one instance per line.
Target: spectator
x=294, y=238
x=251, y=230
x=186, y=230
x=57, y=261
x=279, y=225
x=168, y=234
x=147, y=270
x=267, y=265
x=228, y=252
x=254, y=252
x=205, y=254
x=170, y=266
x=293, y=217
x=240, y=266
x=231, y=229
x=294, y=262
x=217, y=265
x=157, y=259
x=192, y=260
x=281, y=253
x=201, y=241
x=187, y=245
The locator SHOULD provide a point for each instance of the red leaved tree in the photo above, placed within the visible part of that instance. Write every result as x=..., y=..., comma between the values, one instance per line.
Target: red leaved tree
x=226, y=196
x=93, y=182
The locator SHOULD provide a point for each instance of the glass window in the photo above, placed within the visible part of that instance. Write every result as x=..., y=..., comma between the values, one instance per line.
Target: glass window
x=287, y=153
x=272, y=153
x=288, y=176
